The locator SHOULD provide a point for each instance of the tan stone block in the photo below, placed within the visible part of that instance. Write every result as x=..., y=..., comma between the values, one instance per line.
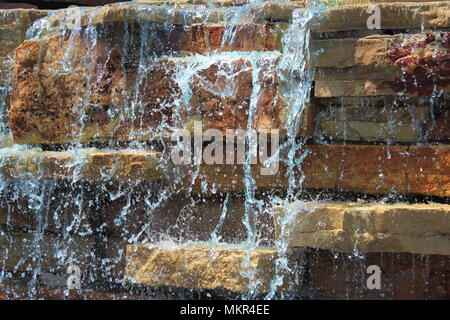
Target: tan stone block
x=13, y=22
x=414, y=64
x=357, y=168
x=343, y=227
x=177, y=13
x=46, y=106
x=379, y=169
x=369, y=110
x=202, y=267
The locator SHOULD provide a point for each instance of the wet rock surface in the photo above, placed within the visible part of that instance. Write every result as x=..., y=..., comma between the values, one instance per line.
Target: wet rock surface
x=90, y=95
x=345, y=227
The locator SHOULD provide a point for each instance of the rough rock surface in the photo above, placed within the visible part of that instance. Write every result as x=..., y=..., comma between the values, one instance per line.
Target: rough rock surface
x=13, y=22
x=88, y=165
x=343, y=276
x=345, y=227
x=95, y=100
x=356, y=168
x=395, y=15
x=201, y=267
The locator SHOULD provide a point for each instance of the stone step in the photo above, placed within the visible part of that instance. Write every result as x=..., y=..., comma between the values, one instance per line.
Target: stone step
x=394, y=15
x=411, y=64
x=346, y=227
x=369, y=131
x=406, y=50
x=357, y=168
x=175, y=13
x=204, y=266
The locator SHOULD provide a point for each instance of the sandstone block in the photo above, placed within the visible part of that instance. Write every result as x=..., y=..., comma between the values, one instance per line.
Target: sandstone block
x=357, y=168
x=350, y=88
x=395, y=15
x=85, y=165
x=378, y=169
x=342, y=276
x=343, y=227
x=366, y=121
x=175, y=13
x=202, y=267
x=415, y=64
x=13, y=22
x=369, y=131
x=96, y=100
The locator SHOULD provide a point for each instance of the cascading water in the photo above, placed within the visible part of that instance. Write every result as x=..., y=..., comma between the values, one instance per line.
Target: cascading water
x=128, y=85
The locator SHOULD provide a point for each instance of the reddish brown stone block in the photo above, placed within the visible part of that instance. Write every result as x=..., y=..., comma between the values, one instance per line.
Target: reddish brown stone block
x=95, y=100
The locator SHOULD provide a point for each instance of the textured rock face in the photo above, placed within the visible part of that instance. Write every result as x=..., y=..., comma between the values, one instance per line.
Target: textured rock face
x=95, y=101
x=346, y=227
x=89, y=165
x=371, y=169
x=440, y=130
x=396, y=15
x=13, y=22
x=181, y=13
x=199, y=267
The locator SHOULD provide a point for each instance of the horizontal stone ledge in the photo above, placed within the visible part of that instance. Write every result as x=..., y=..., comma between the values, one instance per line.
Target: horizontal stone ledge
x=404, y=276
x=354, y=2
x=394, y=15
x=358, y=74
x=368, y=88
x=86, y=165
x=205, y=267
x=14, y=22
x=355, y=168
x=407, y=50
x=175, y=13
x=346, y=227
